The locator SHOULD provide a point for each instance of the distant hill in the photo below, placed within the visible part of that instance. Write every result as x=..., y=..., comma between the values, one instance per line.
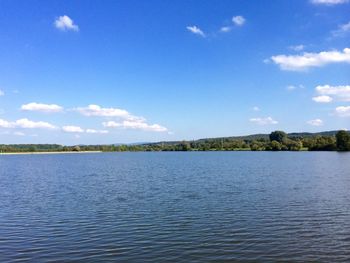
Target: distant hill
x=250, y=137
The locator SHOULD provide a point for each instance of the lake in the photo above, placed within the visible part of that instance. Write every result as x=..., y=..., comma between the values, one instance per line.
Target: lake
x=175, y=207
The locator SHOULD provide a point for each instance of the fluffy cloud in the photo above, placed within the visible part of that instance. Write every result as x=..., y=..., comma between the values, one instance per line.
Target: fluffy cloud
x=315, y=122
x=26, y=124
x=343, y=111
x=238, y=20
x=126, y=120
x=65, y=23
x=138, y=125
x=263, y=121
x=2, y=93
x=5, y=124
x=308, y=60
x=322, y=99
x=195, y=30
x=329, y=2
x=339, y=93
x=75, y=129
x=47, y=108
x=97, y=131
x=95, y=110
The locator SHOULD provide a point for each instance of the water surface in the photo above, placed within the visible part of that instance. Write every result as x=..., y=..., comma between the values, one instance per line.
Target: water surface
x=175, y=207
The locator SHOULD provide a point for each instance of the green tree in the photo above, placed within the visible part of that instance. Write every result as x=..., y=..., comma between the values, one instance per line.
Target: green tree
x=293, y=145
x=343, y=141
x=274, y=146
x=76, y=148
x=278, y=136
x=257, y=146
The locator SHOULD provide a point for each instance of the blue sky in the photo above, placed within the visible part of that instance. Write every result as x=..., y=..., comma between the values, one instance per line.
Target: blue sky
x=89, y=72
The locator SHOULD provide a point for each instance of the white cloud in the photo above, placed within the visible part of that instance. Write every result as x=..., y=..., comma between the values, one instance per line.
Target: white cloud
x=97, y=131
x=126, y=120
x=195, y=30
x=322, y=99
x=5, y=124
x=343, y=111
x=238, y=20
x=2, y=93
x=315, y=122
x=308, y=60
x=225, y=29
x=329, y=2
x=65, y=23
x=256, y=108
x=28, y=124
x=263, y=121
x=297, y=47
x=47, y=108
x=138, y=125
x=75, y=129
x=342, y=30
x=340, y=93
x=95, y=110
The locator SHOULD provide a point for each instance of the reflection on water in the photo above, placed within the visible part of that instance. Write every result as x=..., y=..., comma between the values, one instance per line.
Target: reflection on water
x=175, y=207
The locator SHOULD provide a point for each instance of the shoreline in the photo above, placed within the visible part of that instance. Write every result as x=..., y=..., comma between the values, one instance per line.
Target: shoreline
x=16, y=153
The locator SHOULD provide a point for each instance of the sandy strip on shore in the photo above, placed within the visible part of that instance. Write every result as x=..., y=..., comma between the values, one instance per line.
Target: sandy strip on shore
x=14, y=153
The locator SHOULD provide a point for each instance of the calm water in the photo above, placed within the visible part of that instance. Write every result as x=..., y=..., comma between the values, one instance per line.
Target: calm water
x=175, y=207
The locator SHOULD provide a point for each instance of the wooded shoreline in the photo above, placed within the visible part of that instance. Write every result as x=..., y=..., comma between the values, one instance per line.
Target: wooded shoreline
x=275, y=141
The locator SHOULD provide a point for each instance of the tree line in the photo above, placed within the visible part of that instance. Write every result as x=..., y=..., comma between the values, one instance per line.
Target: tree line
x=275, y=141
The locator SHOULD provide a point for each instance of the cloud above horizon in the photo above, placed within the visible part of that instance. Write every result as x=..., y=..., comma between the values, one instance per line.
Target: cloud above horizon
x=125, y=119
x=41, y=107
x=96, y=110
x=329, y=93
x=71, y=128
x=65, y=23
x=135, y=125
x=342, y=111
x=263, y=121
x=309, y=60
x=77, y=129
x=315, y=122
x=26, y=124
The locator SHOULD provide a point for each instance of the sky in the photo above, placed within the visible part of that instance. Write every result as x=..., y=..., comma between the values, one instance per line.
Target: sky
x=100, y=72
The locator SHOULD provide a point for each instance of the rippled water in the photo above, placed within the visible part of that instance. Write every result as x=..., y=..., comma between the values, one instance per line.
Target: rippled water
x=175, y=207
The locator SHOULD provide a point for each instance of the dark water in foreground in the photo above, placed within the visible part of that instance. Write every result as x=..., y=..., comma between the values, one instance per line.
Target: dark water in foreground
x=175, y=207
